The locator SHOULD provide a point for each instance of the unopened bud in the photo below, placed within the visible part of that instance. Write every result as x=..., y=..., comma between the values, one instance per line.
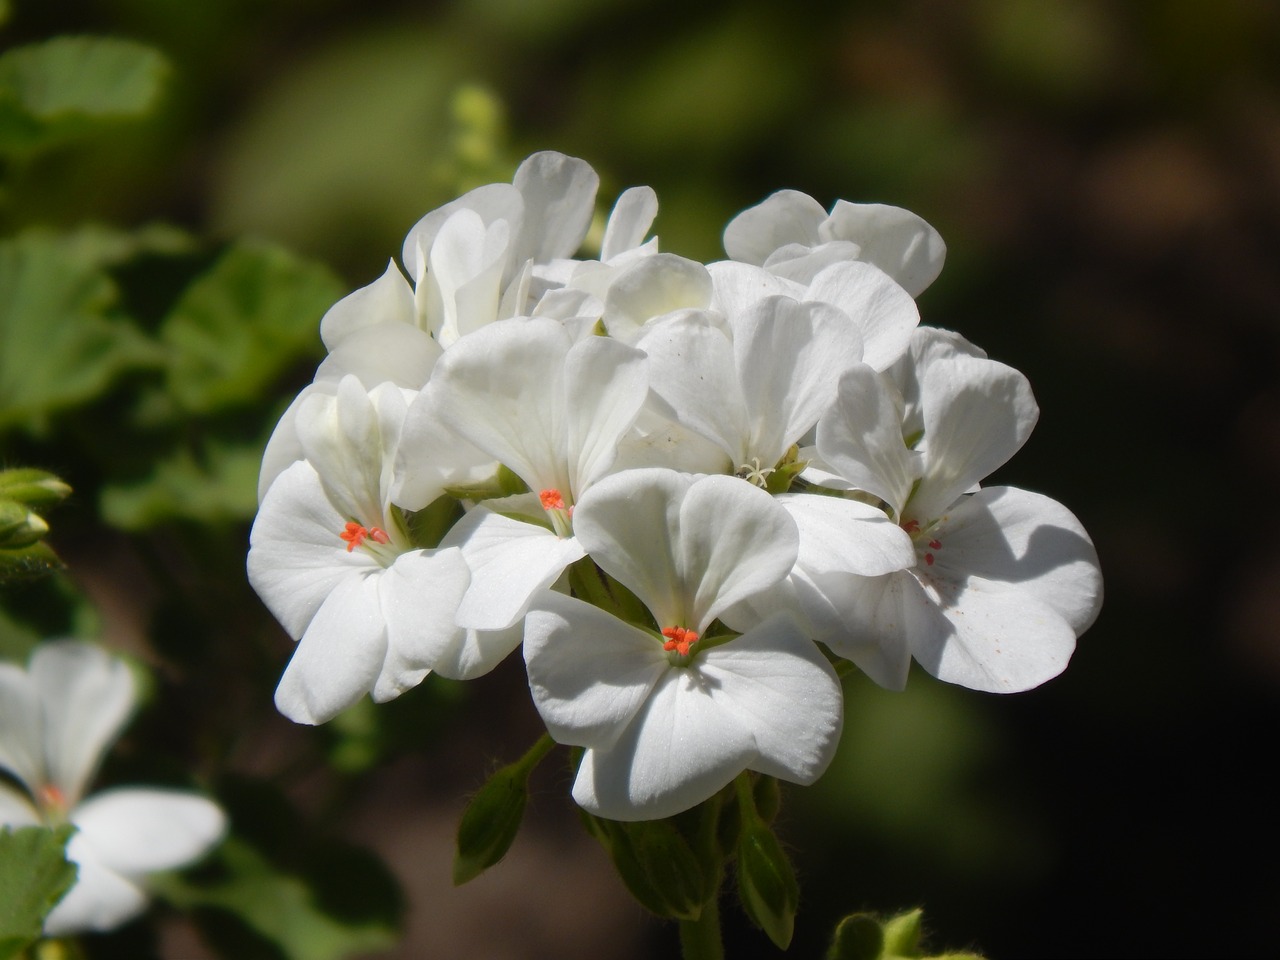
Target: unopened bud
x=34, y=488
x=19, y=527
x=490, y=823
x=767, y=884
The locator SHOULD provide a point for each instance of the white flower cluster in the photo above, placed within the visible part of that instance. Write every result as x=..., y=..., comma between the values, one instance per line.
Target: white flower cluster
x=674, y=482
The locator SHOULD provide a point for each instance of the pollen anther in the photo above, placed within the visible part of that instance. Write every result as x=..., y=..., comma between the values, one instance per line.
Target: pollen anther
x=355, y=535
x=551, y=499
x=679, y=639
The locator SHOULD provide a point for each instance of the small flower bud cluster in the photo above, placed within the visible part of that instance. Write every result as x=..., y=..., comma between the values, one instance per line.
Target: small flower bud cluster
x=684, y=489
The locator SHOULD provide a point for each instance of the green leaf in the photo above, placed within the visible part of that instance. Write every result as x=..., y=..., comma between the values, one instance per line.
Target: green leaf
x=902, y=934
x=34, y=875
x=63, y=86
x=281, y=907
x=241, y=325
x=28, y=563
x=767, y=883
x=215, y=485
x=62, y=345
x=31, y=487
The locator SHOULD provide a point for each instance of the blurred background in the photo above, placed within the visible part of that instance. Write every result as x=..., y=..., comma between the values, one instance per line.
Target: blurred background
x=1107, y=179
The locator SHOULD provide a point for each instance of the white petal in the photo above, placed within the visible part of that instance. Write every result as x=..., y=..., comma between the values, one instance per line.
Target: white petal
x=861, y=438
x=510, y=562
x=502, y=389
x=396, y=352
x=632, y=216
x=1023, y=538
x=838, y=535
x=15, y=808
x=627, y=523
x=872, y=621
x=692, y=372
x=559, y=198
x=737, y=287
x=296, y=556
x=652, y=287
x=467, y=264
x=781, y=688
x=86, y=695
x=21, y=727
x=606, y=385
x=1003, y=639
x=884, y=313
x=493, y=202
x=98, y=901
x=681, y=748
x=789, y=357
x=733, y=540
x=589, y=673
x=787, y=216
x=339, y=657
x=473, y=653
x=419, y=595
x=389, y=300
x=136, y=831
x=897, y=241
x=977, y=414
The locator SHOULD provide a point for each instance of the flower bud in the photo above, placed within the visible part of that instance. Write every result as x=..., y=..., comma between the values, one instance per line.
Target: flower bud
x=33, y=488
x=19, y=527
x=490, y=823
x=657, y=865
x=767, y=884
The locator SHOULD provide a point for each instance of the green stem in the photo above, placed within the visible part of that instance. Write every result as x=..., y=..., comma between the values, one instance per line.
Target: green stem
x=541, y=747
x=700, y=939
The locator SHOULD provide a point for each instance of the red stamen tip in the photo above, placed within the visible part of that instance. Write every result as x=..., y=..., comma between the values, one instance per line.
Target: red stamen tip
x=551, y=499
x=928, y=558
x=936, y=544
x=354, y=534
x=679, y=639
x=911, y=526
x=378, y=535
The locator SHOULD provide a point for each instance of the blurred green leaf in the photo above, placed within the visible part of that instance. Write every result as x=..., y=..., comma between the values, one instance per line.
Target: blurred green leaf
x=34, y=875
x=218, y=486
x=62, y=343
x=242, y=324
x=63, y=86
x=767, y=883
x=281, y=907
x=28, y=563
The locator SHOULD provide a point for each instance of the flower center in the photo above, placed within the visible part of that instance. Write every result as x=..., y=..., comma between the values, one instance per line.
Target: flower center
x=52, y=802
x=679, y=639
x=561, y=516
x=754, y=473
x=913, y=528
x=356, y=535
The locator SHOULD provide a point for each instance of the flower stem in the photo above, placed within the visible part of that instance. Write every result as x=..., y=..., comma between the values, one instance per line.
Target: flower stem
x=700, y=939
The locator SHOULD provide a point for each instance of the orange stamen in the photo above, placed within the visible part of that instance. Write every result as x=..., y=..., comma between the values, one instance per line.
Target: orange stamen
x=679, y=639
x=51, y=797
x=551, y=499
x=911, y=526
x=355, y=535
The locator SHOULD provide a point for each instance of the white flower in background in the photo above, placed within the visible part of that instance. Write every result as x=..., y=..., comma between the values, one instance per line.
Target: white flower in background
x=671, y=713
x=334, y=563
x=791, y=235
x=1004, y=580
x=57, y=719
x=551, y=409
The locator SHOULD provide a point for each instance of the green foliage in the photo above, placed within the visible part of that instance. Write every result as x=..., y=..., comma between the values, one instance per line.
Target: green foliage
x=657, y=864
x=34, y=876
x=64, y=339
x=240, y=325
x=67, y=85
x=283, y=908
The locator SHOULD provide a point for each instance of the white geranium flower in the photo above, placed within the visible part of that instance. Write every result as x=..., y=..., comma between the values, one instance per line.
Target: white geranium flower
x=551, y=409
x=754, y=383
x=332, y=560
x=57, y=719
x=669, y=714
x=1004, y=581
x=791, y=235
